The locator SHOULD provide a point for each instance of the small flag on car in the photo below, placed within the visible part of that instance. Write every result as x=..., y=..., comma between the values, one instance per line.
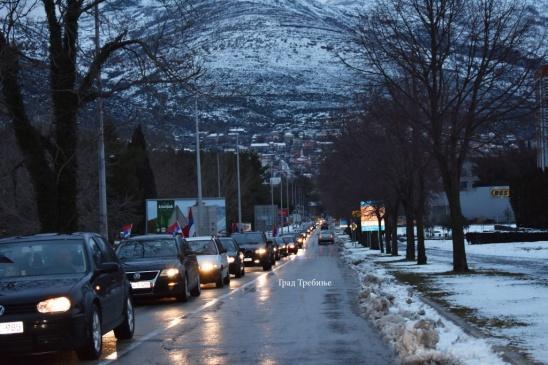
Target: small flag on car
x=126, y=231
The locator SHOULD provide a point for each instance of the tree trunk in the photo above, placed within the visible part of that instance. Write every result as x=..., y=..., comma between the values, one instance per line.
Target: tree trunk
x=379, y=235
x=29, y=140
x=394, y=228
x=387, y=231
x=410, y=233
x=421, y=249
x=459, y=253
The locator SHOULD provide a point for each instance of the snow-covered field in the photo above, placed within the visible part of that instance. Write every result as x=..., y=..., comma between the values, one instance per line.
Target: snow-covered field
x=506, y=296
x=416, y=330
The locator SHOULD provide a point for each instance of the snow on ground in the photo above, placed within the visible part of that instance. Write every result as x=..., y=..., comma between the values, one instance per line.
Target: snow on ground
x=532, y=250
x=416, y=331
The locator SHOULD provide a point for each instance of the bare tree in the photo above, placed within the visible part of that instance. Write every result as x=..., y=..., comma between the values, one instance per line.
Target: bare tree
x=472, y=64
x=73, y=66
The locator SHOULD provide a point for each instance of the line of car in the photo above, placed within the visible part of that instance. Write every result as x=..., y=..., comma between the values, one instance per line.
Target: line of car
x=65, y=291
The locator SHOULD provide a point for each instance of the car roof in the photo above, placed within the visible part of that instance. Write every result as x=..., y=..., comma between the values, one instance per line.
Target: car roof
x=199, y=238
x=48, y=236
x=149, y=236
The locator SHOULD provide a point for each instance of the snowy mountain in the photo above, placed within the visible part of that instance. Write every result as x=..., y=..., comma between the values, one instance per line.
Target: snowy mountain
x=265, y=61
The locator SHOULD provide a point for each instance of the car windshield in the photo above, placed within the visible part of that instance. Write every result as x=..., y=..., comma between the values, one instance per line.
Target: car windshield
x=287, y=239
x=203, y=247
x=279, y=240
x=228, y=244
x=41, y=258
x=143, y=249
x=248, y=238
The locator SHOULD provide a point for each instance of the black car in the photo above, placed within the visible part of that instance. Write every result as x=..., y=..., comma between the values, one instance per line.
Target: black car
x=160, y=265
x=282, y=246
x=292, y=246
x=275, y=248
x=257, y=250
x=235, y=255
x=62, y=292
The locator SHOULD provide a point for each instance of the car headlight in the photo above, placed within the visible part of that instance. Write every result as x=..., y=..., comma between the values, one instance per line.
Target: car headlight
x=241, y=256
x=208, y=266
x=275, y=249
x=291, y=245
x=54, y=305
x=170, y=273
x=230, y=259
x=260, y=251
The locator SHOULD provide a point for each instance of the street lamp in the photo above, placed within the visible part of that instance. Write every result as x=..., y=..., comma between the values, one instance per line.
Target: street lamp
x=238, y=173
x=103, y=217
x=198, y=161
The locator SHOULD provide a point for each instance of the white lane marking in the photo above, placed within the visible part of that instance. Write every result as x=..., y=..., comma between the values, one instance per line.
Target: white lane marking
x=117, y=355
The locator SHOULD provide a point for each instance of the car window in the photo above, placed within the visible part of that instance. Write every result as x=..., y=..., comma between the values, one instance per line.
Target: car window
x=142, y=249
x=229, y=244
x=203, y=247
x=220, y=246
x=253, y=238
x=107, y=251
x=96, y=253
x=41, y=258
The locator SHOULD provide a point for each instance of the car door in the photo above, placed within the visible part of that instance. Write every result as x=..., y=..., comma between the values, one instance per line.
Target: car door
x=103, y=284
x=223, y=256
x=188, y=260
x=119, y=286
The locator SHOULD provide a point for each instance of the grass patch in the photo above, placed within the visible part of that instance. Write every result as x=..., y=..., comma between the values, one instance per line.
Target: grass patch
x=425, y=284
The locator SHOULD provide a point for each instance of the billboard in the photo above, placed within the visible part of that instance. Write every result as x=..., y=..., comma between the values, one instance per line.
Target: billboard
x=368, y=218
x=266, y=217
x=210, y=219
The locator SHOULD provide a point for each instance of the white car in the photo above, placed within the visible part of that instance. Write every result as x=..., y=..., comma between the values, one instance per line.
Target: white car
x=212, y=260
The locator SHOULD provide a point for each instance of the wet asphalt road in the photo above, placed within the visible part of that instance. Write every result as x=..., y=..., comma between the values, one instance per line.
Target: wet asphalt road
x=259, y=319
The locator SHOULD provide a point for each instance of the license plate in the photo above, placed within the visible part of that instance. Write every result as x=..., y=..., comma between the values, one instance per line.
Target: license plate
x=141, y=285
x=9, y=328
x=247, y=259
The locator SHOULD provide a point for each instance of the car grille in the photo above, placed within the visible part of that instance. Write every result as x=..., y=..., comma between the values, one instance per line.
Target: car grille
x=249, y=253
x=142, y=275
x=20, y=308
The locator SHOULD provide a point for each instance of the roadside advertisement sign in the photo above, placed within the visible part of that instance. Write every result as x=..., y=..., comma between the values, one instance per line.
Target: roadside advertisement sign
x=162, y=213
x=368, y=218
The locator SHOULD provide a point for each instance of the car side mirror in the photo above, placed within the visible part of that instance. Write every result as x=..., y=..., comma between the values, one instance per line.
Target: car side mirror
x=108, y=267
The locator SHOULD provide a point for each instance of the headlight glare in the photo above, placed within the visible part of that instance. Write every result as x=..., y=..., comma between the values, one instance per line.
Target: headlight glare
x=260, y=251
x=170, y=273
x=54, y=305
x=230, y=260
x=207, y=266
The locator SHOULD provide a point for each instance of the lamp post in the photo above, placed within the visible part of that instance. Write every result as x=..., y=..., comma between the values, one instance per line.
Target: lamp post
x=198, y=161
x=103, y=215
x=238, y=178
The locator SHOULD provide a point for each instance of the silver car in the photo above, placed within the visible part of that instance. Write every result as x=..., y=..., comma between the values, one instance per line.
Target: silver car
x=212, y=260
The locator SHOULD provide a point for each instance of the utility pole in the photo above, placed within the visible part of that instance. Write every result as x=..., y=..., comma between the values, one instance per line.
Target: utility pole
x=218, y=170
x=103, y=215
x=281, y=204
x=198, y=161
x=273, y=218
x=238, y=173
x=287, y=198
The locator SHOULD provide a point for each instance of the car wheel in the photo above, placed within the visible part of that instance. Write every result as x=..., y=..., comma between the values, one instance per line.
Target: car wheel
x=219, y=283
x=243, y=270
x=239, y=274
x=197, y=290
x=183, y=297
x=125, y=330
x=227, y=279
x=267, y=266
x=93, y=339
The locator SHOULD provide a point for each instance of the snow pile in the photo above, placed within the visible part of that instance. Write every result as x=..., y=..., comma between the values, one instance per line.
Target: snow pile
x=418, y=334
